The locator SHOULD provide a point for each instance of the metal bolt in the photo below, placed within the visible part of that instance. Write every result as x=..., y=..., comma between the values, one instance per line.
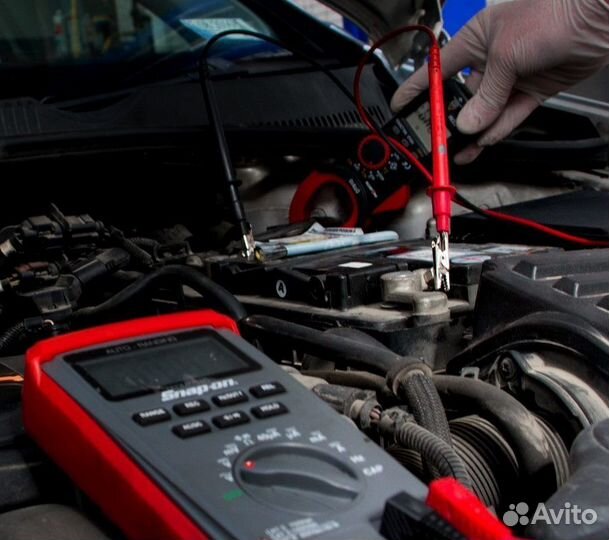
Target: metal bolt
x=507, y=368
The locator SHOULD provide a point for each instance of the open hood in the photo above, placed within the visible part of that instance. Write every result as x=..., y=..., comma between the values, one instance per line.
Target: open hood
x=378, y=17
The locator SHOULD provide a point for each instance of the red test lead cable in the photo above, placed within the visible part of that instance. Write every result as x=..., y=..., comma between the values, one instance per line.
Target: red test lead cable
x=443, y=193
x=441, y=190
x=357, y=95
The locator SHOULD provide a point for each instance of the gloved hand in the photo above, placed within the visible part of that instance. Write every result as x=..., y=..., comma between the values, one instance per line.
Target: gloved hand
x=521, y=53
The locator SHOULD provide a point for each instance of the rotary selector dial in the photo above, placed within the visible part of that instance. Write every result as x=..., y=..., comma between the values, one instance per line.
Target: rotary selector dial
x=298, y=478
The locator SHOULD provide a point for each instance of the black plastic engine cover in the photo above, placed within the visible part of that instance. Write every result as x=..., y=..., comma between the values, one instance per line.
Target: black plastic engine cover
x=575, y=282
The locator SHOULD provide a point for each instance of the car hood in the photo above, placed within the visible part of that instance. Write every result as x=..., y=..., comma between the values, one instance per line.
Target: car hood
x=378, y=17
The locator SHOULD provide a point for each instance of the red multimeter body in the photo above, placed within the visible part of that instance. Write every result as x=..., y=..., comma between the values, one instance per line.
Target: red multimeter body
x=86, y=452
x=179, y=429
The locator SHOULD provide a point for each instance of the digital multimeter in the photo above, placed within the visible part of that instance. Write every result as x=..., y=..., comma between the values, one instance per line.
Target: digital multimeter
x=376, y=179
x=179, y=429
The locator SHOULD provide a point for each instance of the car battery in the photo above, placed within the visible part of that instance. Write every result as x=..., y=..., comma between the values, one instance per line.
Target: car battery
x=345, y=288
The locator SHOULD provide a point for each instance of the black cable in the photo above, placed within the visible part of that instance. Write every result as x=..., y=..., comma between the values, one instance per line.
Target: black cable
x=441, y=456
x=465, y=203
x=408, y=377
x=489, y=459
x=354, y=379
x=340, y=398
x=228, y=170
x=339, y=84
x=9, y=229
x=328, y=72
x=145, y=242
x=12, y=335
x=131, y=247
x=214, y=117
x=414, y=386
x=222, y=299
x=344, y=351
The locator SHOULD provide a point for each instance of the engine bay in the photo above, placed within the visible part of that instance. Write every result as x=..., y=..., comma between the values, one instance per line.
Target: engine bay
x=516, y=351
x=500, y=381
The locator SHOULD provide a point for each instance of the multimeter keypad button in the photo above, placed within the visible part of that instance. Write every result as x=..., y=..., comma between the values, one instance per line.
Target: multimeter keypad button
x=153, y=416
x=190, y=429
x=269, y=409
x=230, y=398
x=267, y=389
x=191, y=407
x=231, y=419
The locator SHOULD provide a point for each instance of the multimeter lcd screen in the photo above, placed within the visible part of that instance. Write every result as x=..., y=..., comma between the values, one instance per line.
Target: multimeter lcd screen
x=135, y=371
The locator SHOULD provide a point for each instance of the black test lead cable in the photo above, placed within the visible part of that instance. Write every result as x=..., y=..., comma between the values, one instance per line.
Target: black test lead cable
x=214, y=116
x=248, y=244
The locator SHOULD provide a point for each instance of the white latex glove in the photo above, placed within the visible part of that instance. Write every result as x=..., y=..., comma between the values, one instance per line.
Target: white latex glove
x=521, y=53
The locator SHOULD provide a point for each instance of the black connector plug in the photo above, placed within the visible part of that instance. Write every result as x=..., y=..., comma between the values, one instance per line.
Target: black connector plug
x=408, y=518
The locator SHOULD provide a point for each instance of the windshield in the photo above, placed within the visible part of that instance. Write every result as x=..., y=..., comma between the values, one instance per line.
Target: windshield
x=69, y=32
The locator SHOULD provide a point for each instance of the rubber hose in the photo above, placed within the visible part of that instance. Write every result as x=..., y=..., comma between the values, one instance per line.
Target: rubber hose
x=145, y=242
x=487, y=456
x=560, y=453
x=12, y=336
x=132, y=248
x=356, y=335
x=586, y=488
x=343, y=351
x=415, y=387
x=439, y=454
x=325, y=362
x=423, y=398
x=563, y=330
x=419, y=390
x=137, y=252
x=355, y=379
x=222, y=299
x=518, y=425
x=338, y=397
